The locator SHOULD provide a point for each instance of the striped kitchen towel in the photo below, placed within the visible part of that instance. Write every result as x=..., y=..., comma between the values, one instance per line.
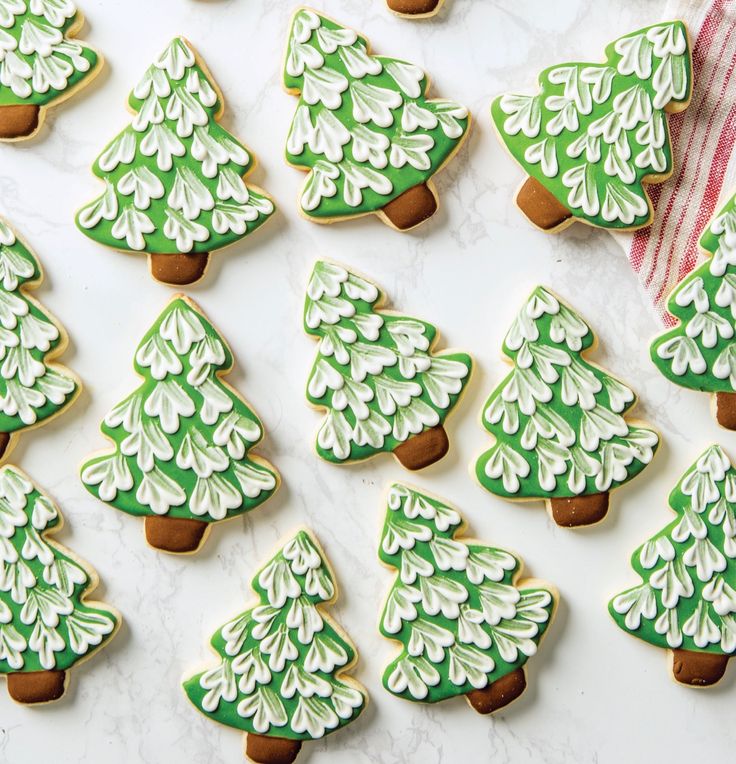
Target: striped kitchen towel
x=703, y=140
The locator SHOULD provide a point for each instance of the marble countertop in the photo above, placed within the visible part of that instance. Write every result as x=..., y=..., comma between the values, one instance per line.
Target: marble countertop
x=596, y=694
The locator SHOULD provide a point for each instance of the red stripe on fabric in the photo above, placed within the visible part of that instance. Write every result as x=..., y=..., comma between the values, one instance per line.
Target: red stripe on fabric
x=702, y=158
x=689, y=158
x=715, y=184
x=676, y=122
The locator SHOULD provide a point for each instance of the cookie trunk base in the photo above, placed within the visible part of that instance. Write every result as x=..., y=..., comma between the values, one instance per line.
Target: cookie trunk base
x=698, y=669
x=171, y=534
x=540, y=206
x=18, y=121
x=726, y=410
x=180, y=269
x=411, y=208
x=36, y=686
x=413, y=7
x=424, y=449
x=4, y=443
x=499, y=693
x=579, y=510
x=271, y=750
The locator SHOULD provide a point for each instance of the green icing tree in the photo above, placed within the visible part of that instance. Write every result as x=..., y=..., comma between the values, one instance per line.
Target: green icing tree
x=32, y=388
x=558, y=420
x=46, y=626
x=383, y=387
x=467, y=627
x=39, y=64
x=700, y=353
x=687, y=601
x=182, y=439
x=364, y=127
x=596, y=132
x=174, y=178
x=283, y=663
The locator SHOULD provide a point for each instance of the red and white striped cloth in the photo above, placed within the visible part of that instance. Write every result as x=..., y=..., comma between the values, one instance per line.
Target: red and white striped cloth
x=703, y=141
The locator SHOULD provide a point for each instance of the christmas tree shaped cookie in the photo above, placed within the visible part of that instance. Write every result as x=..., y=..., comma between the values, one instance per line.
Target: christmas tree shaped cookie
x=467, y=625
x=174, y=178
x=700, y=353
x=364, y=128
x=415, y=9
x=376, y=374
x=687, y=601
x=46, y=624
x=182, y=439
x=39, y=64
x=282, y=676
x=595, y=133
x=558, y=420
x=33, y=389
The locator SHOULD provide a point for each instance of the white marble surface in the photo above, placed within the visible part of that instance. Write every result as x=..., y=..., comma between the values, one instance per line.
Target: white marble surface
x=596, y=694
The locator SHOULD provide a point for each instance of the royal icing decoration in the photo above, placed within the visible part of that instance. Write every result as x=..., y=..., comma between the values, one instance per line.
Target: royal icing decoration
x=183, y=437
x=701, y=352
x=559, y=421
x=687, y=601
x=39, y=63
x=283, y=663
x=455, y=605
x=375, y=372
x=174, y=177
x=32, y=388
x=363, y=127
x=45, y=622
x=595, y=132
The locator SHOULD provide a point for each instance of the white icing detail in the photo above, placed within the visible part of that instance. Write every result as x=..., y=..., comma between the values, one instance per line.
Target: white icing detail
x=324, y=86
x=131, y=226
x=104, y=208
x=358, y=62
x=373, y=103
x=524, y=115
x=143, y=185
x=407, y=76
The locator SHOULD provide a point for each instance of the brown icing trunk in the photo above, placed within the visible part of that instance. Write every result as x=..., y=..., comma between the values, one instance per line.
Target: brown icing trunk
x=577, y=511
x=413, y=7
x=19, y=121
x=172, y=534
x=411, y=208
x=36, y=686
x=499, y=693
x=726, y=410
x=179, y=269
x=4, y=443
x=271, y=750
x=698, y=669
x=540, y=206
x=423, y=449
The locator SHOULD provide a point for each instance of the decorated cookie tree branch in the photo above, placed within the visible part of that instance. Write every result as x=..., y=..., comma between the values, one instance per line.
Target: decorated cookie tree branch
x=687, y=599
x=466, y=625
x=281, y=678
x=46, y=624
x=383, y=387
x=364, y=128
x=182, y=439
x=174, y=178
x=39, y=64
x=32, y=388
x=415, y=9
x=700, y=353
x=596, y=132
x=558, y=420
